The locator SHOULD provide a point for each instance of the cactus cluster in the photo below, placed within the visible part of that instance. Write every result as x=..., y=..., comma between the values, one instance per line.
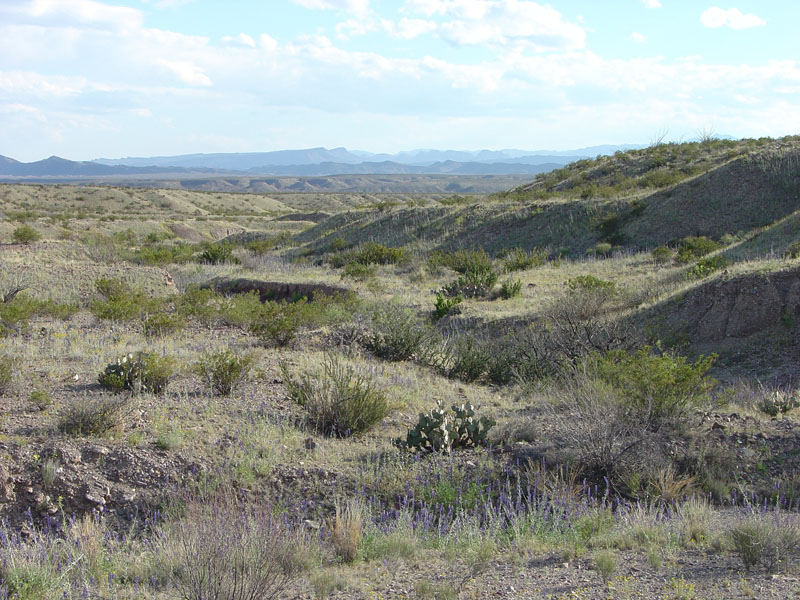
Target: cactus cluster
x=140, y=372
x=779, y=403
x=439, y=431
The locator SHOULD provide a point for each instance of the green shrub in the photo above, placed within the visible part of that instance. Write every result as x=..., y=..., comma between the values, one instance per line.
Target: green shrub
x=217, y=254
x=439, y=431
x=279, y=322
x=358, y=271
x=469, y=359
x=779, y=403
x=340, y=402
x=338, y=244
x=140, y=372
x=159, y=255
x=369, y=253
x=162, y=324
x=510, y=288
x=792, y=250
x=472, y=284
x=201, y=304
x=94, y=416
x=692, y=248
x=520, y=260
x=240, y=310
x=120, y=302
x=223, y=371
x=462, y=261
x=602, y=250
x=444, y=306
x=397, y=334
x=40, y=399
x=763, y=539
x=590, y=283
x=661, y=255
x=657, y=388
x=707, y=266
x=522, y=357
x=7, y=365
x=25, y=234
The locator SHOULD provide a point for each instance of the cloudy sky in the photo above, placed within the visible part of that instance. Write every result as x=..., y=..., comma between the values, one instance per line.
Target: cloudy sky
x=87, y=78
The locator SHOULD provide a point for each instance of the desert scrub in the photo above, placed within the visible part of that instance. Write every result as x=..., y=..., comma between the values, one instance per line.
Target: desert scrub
x=119, y=302
x=692, y=248
x=339, y=401
x=766, y=539
x=217, y=254
x=439, y=430
x=25, y=234
x=6, y=374
x=94, y=416
x=510, y=288
x=461, y=261
x=444, y=306
x=397, y=334
x=228, y=551
x=369, y=253
x=468, y=359
x=779, y=402
x=223, y=371
x=518, y=259
x=40, y=399
x=661, y=255
x=472, y=284
x=657, y=387
x=162, y=324
x=140, y=372
x=346, y=529
x=707, y=266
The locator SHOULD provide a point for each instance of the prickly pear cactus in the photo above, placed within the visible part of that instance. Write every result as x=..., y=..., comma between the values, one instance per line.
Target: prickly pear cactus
x=438, y=431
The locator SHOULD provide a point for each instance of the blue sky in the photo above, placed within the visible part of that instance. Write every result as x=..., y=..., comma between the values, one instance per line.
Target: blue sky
x=88, y=78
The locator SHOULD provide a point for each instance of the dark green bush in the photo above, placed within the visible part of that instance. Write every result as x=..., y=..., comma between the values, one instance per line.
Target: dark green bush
x=140, y=372
x=469, y=359
x=792, y=250
x=94, y=416
x=520, y=260
x=779, y=403
x=369, y=253
x=692, y=248
x=340, y=402
x=462, y=261
x=707, y=266
x=590, y=283
x=6, y=374
x=661, y=255
x=25, y=234
x=223, y=371
x=510, y=288
x=120, y=302
x=444, y=306
x=397, y=334
x=521, y=357
x=159, y=255
x=472, y=284
x=659, y=388
x=162, y=324
x=217, y=254
x=358, y=271
x=439, y=431
x=279, y=322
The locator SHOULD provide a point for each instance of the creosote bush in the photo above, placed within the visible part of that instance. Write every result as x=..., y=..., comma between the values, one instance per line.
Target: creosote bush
x=779, y=402
x=692, y=248
x=518, y=259
x=25, y=234
x=444, y=306
x=510, y=288
x=397, y=334
x=764, y=539
x=94, y=416
x=339, y=401
x=217, y=254
x=223, y=371
x=6, y=374
x=120, y=302
x=472, y=284
x=226, y=551
x=369, y=253
x=140, y=372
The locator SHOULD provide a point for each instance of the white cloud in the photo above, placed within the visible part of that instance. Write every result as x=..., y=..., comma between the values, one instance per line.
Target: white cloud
x=242, y=40
x=716, y=17
x=652, y=3
x=186, y=72
x=65, y=13
x=535, y=26
x=351, y=6
x=638, y=37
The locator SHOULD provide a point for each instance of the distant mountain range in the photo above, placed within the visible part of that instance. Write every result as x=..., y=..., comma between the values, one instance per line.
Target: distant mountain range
x=312, y=162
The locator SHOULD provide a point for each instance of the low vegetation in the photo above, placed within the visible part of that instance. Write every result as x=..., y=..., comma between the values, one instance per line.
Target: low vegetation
x=565, y=376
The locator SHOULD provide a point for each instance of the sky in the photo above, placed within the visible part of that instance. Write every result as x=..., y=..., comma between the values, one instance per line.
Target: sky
x=85, y=79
